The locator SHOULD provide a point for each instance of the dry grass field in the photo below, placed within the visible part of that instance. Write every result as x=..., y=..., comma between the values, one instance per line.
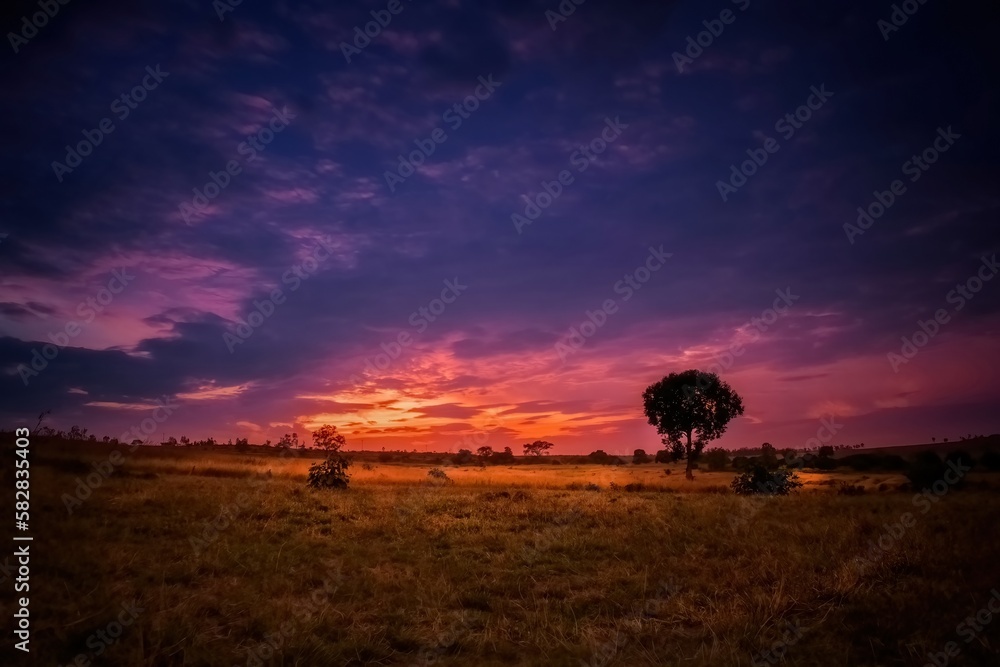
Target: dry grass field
x=186, y=557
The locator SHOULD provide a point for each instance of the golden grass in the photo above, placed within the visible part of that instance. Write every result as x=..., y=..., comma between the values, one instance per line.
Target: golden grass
x=503, y=567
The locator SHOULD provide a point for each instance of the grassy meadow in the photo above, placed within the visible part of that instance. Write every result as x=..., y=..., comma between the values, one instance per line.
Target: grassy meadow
x=195, y=557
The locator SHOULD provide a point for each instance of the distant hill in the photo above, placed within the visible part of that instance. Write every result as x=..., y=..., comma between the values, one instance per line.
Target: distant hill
x=972, y=445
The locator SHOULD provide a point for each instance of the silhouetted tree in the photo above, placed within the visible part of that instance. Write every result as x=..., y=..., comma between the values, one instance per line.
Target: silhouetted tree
x=463, y=456
x=760, y=481
x=640, y=456
x=506, y=456
x=768, y=456
x=716, y=458
x=327, y=438
x=691, y=408
x=537, y=447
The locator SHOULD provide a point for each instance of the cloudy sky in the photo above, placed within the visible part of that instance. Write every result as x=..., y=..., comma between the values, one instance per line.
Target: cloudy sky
x=142, y=275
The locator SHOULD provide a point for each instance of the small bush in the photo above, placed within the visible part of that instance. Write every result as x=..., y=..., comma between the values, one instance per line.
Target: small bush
x=845, y=489
x=960, y=457
x=716, y=458
x=640, y=456
x=760, y=480
x=926, y=468
x=463, y=457
x=591, y=487
x=858, y=462
x=437, y=473
x=330, y=474
x=601, y=456
x=990, y=460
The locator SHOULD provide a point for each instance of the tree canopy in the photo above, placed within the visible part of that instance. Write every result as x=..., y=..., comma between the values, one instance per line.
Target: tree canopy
x=690, y=409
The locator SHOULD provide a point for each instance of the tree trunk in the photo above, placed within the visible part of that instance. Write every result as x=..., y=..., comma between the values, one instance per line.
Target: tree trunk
x=687, y=473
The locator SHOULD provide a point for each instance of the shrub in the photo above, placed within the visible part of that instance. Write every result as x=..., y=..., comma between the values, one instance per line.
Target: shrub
x=640, y=456
x=990, y=460
x=861, y=461
x=768, y=456
x=330, y=474
x=463, y=456
x=437, y=473
x=845, y=489
x=760, y=480
x=601, y=456
x=740, y=463
x=591, y=487
x=960, y=457
x=504, y=457
x=893, y=462
x=925, y=469
x=662, y=456
x=716, y=458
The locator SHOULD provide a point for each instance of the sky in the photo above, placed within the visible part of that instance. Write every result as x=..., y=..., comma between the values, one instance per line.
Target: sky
x=499, y=222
